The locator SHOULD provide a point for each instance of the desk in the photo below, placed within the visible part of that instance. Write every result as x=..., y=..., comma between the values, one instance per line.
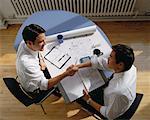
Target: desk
x=76, y=48
x=56, y=22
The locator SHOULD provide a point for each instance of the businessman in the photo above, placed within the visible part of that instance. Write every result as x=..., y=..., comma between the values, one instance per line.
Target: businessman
x=31, y=68
x=120, y=93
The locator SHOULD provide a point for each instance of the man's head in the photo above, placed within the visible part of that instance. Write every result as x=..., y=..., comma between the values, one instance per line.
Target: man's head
x=121, y=58
x=34, y=37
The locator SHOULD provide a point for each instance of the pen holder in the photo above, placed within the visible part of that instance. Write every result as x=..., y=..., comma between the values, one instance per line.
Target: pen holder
x=60, y=39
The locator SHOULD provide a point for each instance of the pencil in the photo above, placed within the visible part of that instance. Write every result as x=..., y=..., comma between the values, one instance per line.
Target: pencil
x=84, y=85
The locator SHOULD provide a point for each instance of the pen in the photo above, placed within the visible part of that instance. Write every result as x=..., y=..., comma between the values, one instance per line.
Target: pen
x=61, y=58
x=84, y=86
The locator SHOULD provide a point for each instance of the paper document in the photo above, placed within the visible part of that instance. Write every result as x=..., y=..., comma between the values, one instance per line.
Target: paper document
x=73, y=86
x=70, y=52
x=73, y=33
x=57, y=57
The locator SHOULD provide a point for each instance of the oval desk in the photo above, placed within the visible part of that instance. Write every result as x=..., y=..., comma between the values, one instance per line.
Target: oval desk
x=56, y=22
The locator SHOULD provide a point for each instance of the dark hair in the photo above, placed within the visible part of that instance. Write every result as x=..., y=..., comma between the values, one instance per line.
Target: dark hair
x=31, y=31
x=124, y=54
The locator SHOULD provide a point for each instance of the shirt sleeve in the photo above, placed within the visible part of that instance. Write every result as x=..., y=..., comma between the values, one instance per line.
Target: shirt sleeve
x=116, y=107
x=35, y=77
x=99, y=62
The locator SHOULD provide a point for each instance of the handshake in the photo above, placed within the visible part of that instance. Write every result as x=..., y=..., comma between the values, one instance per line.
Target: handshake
x=71, y=70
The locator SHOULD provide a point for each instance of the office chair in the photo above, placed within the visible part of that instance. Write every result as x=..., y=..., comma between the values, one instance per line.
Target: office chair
x=130, y=112
x=126, y=116
x=16, y=89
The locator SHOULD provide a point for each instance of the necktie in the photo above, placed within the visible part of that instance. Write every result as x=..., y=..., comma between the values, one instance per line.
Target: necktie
x=107, y=83
x=111, y=77
x=45, y=71
x=56, y=92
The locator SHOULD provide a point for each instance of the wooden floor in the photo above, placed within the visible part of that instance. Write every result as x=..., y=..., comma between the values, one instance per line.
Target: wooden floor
x=134, y=34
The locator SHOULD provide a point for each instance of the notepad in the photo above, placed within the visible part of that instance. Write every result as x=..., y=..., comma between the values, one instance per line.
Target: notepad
x=73, y=86
x=57, y=57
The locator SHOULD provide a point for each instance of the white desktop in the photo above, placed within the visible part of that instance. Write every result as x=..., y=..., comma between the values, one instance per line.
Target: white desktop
x=76, y=45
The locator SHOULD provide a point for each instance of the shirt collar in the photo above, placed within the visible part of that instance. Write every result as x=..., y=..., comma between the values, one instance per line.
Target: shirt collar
x=34, y=53
x=118, y=75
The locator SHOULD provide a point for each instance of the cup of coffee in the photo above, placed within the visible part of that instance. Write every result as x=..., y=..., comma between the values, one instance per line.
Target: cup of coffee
x=97, y=52
x=60, y=38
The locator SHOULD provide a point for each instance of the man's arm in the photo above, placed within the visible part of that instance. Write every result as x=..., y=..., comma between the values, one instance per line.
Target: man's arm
x=91, y=102
x=86, y=64
x=116, y=106
x=94, y=104
x=69, y=72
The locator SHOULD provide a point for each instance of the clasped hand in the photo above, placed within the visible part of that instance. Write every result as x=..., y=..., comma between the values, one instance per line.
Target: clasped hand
x=71, y=70
x=86, y=95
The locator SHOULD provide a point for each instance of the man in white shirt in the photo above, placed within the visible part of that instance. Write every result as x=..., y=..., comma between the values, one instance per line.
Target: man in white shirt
x=121, y=90
x=30, y=65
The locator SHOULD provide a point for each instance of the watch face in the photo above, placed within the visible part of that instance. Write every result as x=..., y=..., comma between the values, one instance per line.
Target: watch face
x=85, y=59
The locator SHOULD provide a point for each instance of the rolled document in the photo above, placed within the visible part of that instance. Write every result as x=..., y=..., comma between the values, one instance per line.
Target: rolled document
x=72, y=33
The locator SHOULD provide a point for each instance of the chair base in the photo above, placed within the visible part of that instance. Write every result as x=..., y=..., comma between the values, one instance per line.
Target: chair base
x=43, y=109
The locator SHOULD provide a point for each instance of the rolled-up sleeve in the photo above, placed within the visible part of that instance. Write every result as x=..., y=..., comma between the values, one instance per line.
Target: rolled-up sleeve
x=99, y=62
x=118, y=106
x=44, y=83
x=35, y=78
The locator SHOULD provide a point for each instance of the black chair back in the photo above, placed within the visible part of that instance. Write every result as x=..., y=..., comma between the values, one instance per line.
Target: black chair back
x=130, y=112
x=126, y=116
x=16, y=90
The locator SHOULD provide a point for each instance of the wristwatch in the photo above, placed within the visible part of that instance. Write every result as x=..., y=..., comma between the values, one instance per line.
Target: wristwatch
x=88, y=101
